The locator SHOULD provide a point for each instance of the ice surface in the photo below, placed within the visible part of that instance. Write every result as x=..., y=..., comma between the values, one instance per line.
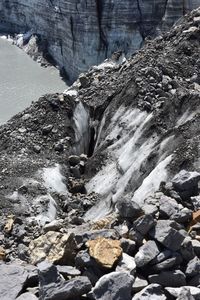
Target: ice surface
x=54, y=180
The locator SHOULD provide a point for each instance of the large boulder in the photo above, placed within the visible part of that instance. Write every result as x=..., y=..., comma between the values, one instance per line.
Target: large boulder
x=13, y=279
x=113, y=286
x=105, y=251
x=128, y=208
x=54, y=247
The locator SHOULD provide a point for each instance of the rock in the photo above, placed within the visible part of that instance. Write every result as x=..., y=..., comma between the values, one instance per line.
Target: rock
x=74, y=160
x=196, y=247
x=54, y=247
x=84, y=80
x=52, y=286
x=128, y=208
x=195, y=202
x=168, y=278
x=94, y=234
x=113, y=286
x=151, y=292
x=187, y=251
x=13, y=279
x=27, y=296
x=185, y=294
x=59, y=147
x=9, y=224
x=176, y=292
x=83, y=259
x=139, y=284
x=126, y=264
x=144, y=223
x=195, y=281
x=55, y=225
x=128, y=246
x=186, y=183
x=166, y=235
x=105, y=251
x=47, y=129
x=170, y=209
x=146, y=253
x=68, y=271
x=193, y=267
x=136, y=236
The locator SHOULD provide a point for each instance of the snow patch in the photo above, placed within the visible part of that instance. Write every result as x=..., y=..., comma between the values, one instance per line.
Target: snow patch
x=54, y=180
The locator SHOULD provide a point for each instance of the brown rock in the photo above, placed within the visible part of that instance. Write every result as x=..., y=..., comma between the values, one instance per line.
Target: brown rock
x=105, y=251
x=9, y=224
x=54, y=247
x=2, y=253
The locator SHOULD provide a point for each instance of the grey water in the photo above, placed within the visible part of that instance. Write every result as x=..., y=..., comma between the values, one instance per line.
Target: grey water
x=23, y=80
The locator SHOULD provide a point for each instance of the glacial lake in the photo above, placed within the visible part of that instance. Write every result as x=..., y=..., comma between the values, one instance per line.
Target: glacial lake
x=23, y=80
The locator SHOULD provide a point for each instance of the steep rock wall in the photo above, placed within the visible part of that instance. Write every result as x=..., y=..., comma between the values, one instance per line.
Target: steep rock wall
x=81, y=33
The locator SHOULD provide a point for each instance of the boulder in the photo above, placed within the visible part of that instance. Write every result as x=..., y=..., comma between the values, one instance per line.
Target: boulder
x=126, y=264
x=186, y=183
x=27, y=296
x=128, y=208
x=144, y=223
x=113, y=286
x=176, y=292
x=146, y=253
x=54, y=247
x=151, y=292
x=193, y=267
x=168, y=278
x=13, y=279
x=168, y=236
x=105, y=251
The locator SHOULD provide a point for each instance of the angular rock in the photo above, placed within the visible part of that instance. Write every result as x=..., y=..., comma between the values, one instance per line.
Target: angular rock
x=168, y=278
x=173, y=261
x=185, y=294
x=193, y=267
x=128, y=208
x=195, y=202
x=54, y=247
x=105, y=251
x=74, y=160
x=166, y=235
x=196, y=247
x=13, y=279
x=195, y=281
x=113, y=286
x=128, y=246
x=146, y=253
x=176, y=292
x=68, y=271
x=186, y=183
x=94, y=234
x=126, y=264
x=144, y=223
x=186, y=250
x=2, y=253
x=139, y=284
x=27, y=296
x=151, y=292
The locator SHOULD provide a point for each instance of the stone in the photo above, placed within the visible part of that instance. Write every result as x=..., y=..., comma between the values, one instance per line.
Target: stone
x=128, y=246
x=13, y=279
x=144, y=223
x=105, y=251
x=166, y=235
x=146, y=253
x=168, y=278
x=27, y=296
x=55, y=225
x=186, y=183
x=74, y=160
x=185, y=294
x=195, y=202
x=2, y=253
x=54, y=247
x=128, y=208
x=195, y=281
x=94, y=234
x=186, y=250
x=139, y=284
x=196, y=247
x=9, y=224
x=126, y=264
x=84, y=80
x=68, y=271
x=161, y=257
x=113, y=286
x=176, y=292
x=173, y=261
x=151, y=292
x=83, y=259
x=135, y=236
x=193, y=267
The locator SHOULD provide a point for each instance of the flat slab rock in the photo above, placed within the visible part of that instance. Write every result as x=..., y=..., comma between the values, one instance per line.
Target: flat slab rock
x=13, y=278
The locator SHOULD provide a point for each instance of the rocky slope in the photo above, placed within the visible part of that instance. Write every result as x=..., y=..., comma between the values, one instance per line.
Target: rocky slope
x=79, y=34
x=99, y=185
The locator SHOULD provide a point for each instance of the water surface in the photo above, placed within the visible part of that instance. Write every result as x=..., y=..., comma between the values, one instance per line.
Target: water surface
x=23, y=80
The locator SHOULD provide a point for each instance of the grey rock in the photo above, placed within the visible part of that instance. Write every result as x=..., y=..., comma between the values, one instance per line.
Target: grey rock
x=83, y=259
x=146, y=253
x=193, y=267
x=161, y=257
x=113, y=286
x=151, y=292
x=187, y=250
x=196, y=247
x=195, y=281
x=74, y=160
x=186, y=183
x=126, y=264
x=168, y=278
x=93, y=234
x=144, y=223
x=135, y=236
x=166, y=235
x=185, y=294
x=196, y=202
x=139, y=284
x=173, y=261
x=128, y=246
x=176, y=292
x=13, y=279
x=27, y=296
x=68, y=271
x=128, y=208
